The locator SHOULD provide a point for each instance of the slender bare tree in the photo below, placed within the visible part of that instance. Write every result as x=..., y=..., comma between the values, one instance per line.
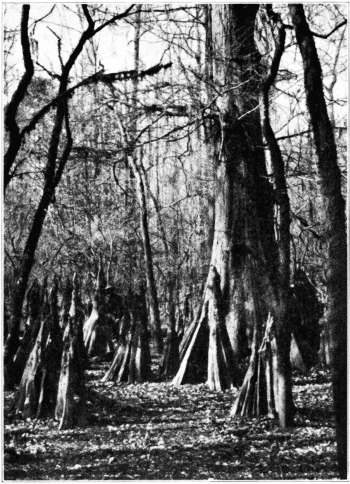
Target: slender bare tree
x=330, y=179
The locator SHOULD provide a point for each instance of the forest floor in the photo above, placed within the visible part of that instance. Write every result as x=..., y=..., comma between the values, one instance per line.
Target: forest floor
x=157, y=431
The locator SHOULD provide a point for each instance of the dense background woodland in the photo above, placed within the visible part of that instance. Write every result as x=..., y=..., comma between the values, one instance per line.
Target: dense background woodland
x=175, y=241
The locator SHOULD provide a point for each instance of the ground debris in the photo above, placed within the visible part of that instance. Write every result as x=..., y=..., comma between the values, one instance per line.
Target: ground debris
x=156, y=431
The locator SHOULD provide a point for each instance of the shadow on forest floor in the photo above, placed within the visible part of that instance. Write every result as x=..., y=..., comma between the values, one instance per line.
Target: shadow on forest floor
x=157, y=431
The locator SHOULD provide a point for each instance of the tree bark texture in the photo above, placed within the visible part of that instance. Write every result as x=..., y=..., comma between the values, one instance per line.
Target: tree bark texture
x=244, y=248
x=330, y=181
x=257, y=395
x=243, y=207
x=32, y=326
x=194, y=349
x=66, y=303
x=221, y=367
x=97, y=328
x=71, y=393
x=36, y=395
x=206, y=353
x=132, y=360
x=170, y=359
x=121, y=349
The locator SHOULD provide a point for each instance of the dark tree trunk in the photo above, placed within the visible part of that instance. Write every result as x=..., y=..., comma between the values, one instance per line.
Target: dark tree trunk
x=121, y=349
x=244, y=245
x=194, y=351
x=191, y=329
x=324, y=352
x=221, y=365
x=51, y=181
x=12, y=108
x=71, y=395
x=36, y=395
x=28, y=394
x=244, y=232
x=32, y=326
x=140, y=360
x=330, y=181
x=279, y=281
x=151, y=283
x=257, y=395
x=66, y=302
x=132, y=360
x=305, y=311
x=53, y=353
x=170, y=360
x=97, y=328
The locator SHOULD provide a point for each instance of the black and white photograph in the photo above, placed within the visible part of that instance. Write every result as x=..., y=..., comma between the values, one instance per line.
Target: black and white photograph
x=174, y=241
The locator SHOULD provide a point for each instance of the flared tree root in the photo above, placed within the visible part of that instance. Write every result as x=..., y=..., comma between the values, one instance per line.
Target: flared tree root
x=71, y=395
x=36, y=395
x=205, y=351
x=256, y=396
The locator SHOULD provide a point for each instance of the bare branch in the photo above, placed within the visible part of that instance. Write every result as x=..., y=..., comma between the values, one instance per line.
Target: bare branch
x=274, y=149
x=51, y=74
x=300, y=133
x=59, y=46
x=98, y=77
x=88, y=16
x=116, y=17
x=325, y=36
x=67, y=149
x=18, y=96
x=42, y=18
x=321, y=36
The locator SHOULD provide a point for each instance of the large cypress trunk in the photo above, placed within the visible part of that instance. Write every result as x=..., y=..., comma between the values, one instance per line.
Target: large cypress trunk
x=243, y=245
x=252, y=268
x=244, y=248
x=330, y=181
